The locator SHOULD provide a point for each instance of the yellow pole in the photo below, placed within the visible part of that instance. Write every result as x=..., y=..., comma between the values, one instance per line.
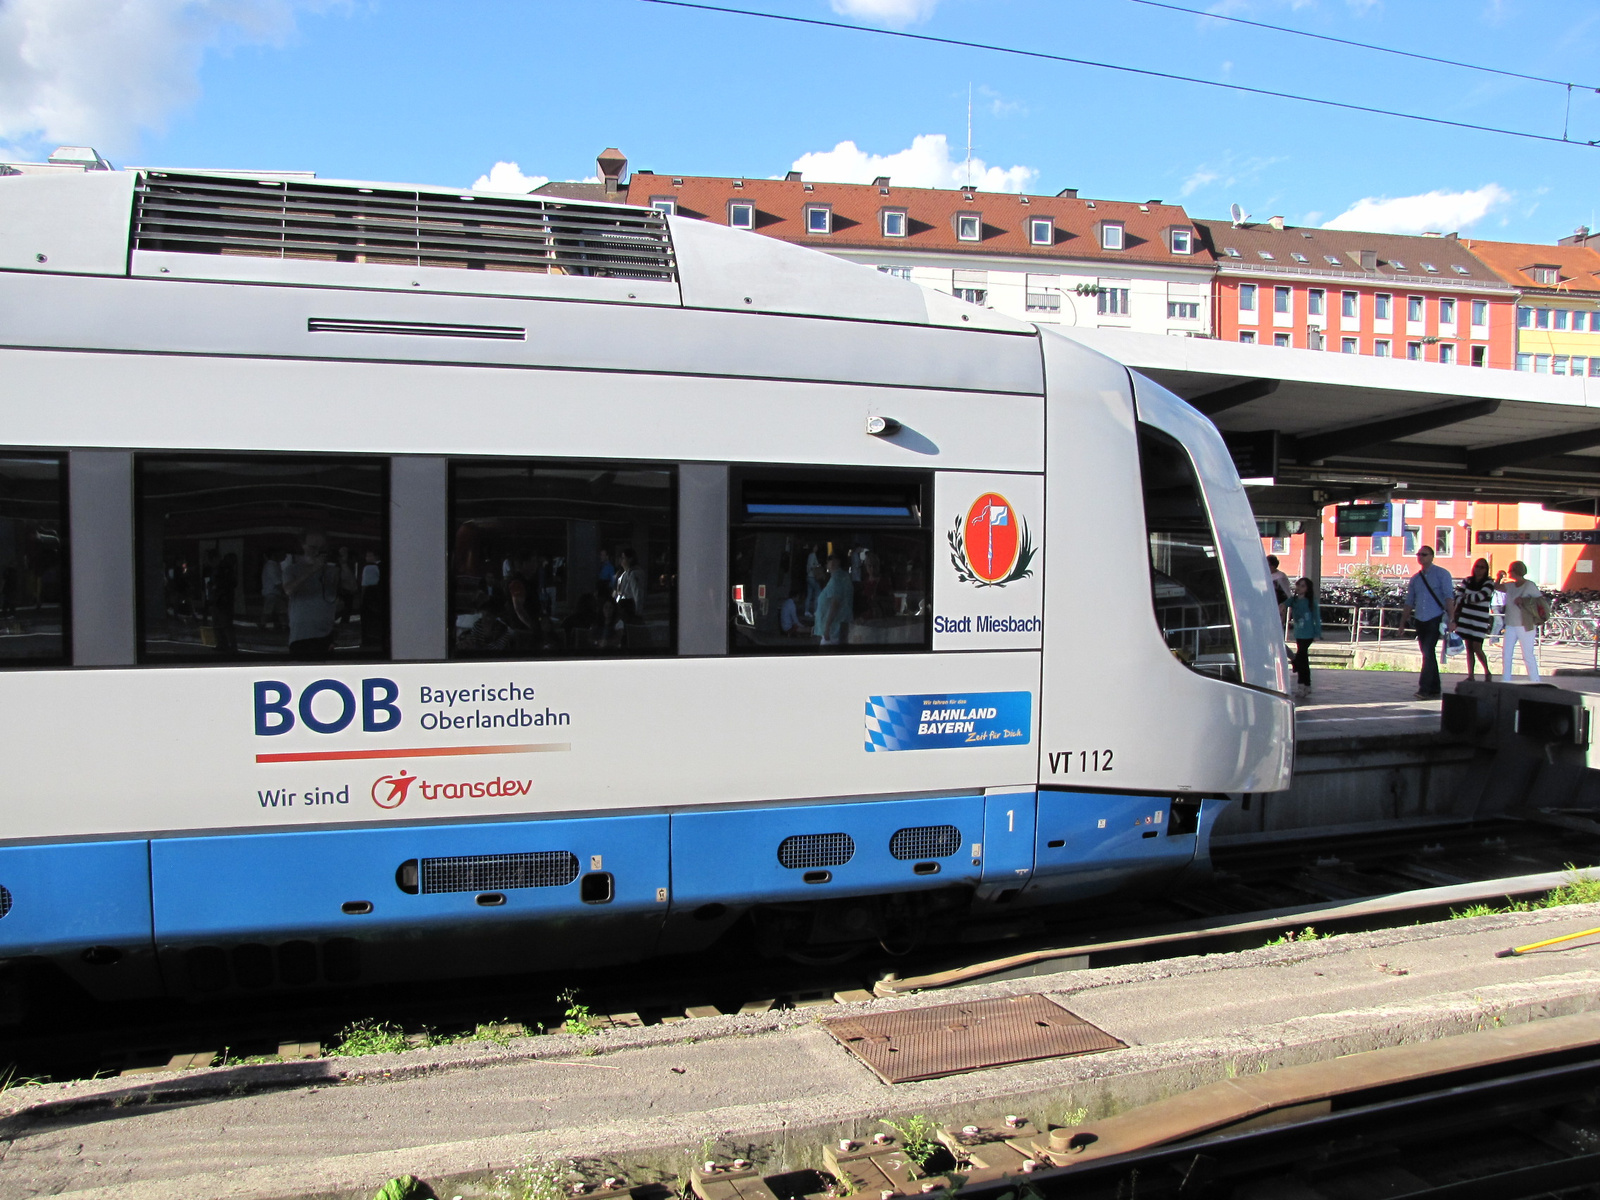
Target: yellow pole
x=1516, y=950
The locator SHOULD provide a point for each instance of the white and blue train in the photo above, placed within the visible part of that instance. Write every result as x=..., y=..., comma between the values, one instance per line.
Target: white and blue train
x=402, y=583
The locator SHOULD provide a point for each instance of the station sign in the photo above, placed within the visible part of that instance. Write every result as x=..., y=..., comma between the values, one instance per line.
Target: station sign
x=1536, y=537
x=1254, y=454
x=1361, y=520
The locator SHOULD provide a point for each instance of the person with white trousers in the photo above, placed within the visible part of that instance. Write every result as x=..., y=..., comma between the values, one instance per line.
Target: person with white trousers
x=1521, y=625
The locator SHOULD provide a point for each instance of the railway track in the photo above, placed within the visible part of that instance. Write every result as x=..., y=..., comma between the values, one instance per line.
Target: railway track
x=1258, y=886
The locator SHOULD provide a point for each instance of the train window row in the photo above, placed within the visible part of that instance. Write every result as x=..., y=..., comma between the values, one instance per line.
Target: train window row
x=288, y=557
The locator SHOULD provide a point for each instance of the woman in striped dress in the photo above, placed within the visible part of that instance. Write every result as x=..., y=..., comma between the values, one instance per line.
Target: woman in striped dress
x=1472, y=619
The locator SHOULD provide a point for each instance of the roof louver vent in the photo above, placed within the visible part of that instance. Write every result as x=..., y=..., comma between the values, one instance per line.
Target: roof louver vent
x=200, y=214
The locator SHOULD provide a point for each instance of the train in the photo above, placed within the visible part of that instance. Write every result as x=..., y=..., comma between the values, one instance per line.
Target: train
x=399, y=582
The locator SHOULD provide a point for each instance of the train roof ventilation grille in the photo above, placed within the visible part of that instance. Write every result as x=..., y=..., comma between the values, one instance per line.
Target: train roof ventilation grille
x=925, y=841
x=205, y=214
x=5, y=901
x=806, y=851
x=498, y=872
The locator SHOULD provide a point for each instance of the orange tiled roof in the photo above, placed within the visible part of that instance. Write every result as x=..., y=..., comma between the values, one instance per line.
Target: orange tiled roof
x=1578, y=267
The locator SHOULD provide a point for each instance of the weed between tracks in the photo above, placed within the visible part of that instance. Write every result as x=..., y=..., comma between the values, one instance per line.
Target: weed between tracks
x=1290, y=936
x=1580, y=888
x=918, y=1137
x=381, y=1037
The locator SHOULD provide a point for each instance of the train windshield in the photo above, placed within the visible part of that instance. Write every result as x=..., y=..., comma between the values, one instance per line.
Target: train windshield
x=1190, y=593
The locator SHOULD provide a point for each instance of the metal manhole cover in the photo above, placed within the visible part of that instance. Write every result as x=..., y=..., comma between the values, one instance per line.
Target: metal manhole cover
x=925, y=1043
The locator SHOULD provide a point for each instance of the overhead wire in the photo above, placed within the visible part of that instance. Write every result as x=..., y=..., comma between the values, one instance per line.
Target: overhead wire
x=1325, y=37
x=1147, y=72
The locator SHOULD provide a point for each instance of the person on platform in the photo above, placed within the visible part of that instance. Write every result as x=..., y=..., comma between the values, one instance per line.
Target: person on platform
x=1523, y=601
x=1306, y=614
x=1282, y=589
x=1473, y=619
x=1430, y=600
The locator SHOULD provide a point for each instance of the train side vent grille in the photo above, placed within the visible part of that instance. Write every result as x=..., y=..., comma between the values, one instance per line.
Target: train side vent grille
x=498, y=333
x=5, y=901
x=805, y=851
x=209, y=214
x=498, y=872
x=925, y=841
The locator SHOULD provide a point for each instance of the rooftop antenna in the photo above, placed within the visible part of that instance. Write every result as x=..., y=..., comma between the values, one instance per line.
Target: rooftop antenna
x=969, y=135
x=1238, y=214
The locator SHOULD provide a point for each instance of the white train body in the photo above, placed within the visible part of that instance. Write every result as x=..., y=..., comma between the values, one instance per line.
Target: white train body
x=1016, y=733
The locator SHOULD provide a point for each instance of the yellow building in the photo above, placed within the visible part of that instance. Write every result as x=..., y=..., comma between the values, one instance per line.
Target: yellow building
x=1558, y=315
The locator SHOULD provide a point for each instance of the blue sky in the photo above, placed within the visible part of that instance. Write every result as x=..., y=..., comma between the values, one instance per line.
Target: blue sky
x=439, y=92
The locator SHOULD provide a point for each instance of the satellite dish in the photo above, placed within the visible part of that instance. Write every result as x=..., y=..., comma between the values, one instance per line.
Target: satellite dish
x=1237, y=214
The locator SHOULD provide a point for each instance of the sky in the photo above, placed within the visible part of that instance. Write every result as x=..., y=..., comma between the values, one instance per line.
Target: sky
x=502, y=94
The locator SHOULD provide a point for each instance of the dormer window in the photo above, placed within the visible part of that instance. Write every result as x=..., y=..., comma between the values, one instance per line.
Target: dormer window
x=1231, y=252
x=1181, y=241
x=894, y=222
x=1548, y=276
x=1397, y=264
x=1111, y=235
x=819, y=218
x=1266, y=255
x=1041, y=231
x=665, y=204
x=1298, y=257
x=1430, y=268
x=969, y=227
x=742, y=215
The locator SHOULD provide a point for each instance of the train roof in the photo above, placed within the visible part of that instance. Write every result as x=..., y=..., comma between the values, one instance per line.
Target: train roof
x=283, y=229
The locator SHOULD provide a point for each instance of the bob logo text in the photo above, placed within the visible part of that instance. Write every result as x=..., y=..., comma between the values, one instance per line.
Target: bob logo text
x=990, y=546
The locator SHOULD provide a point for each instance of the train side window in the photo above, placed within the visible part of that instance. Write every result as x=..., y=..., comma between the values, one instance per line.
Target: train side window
x=34, y=611
x=1191, y=595
x=833, y=561
x=262, y=557
x=562, y=560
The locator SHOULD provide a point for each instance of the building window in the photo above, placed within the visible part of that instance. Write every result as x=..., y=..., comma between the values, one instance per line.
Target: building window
x=1247, y=297
x=1349, y=346
x=1443, y=541
x=1447, y=311
x=1560, y=318
x=1541, y=318
x=1414, y=351
x=1444, y=508
x=1314, y=339
x=742, y=216
x=1347, y=545
x=1544, y=275
x=1524, y=318
x=1558, y=364
x=969, y=227
x=819, y=219
x=1580, y=364
x=35, y=616
x=1188, y=589
x=1413, y=538
x=1043, y=293
x=1280, y=545
x=561, y=560
x=969, y=285
x=1280, y=300
x=1480, y=313
x=897, y=272
x=1414, y=308
x=852, y=547
x=664, y=204
x=1350, y=304
x=1380, y=545
x=894, y=223
x=1380, y=306
x=1182, y=241
x=1594, y=322
x=1380, y=349
x=262, y=558
x=1541, y=364
x=1041, y=231
x=1113, y=302
x=1247, y=336
x=1447, y=353
x=1283, y=340
x=1524, y=361
x=1183, y=310
x=1316, y=301
x=1594, y=367
x=1480, y=356
x=1111, y=235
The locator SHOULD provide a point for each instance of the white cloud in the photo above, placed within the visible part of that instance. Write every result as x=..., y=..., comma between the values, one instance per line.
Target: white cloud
x=508, y=177
x=1198, y=180
x=99, y=72
x=1431, y=211
x=886, y=12
x=926, y=163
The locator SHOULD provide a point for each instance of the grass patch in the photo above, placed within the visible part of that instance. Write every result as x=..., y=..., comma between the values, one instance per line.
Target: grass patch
x=917, y=1137
x=580, y=1018
x=534, y=1181
x=1290, y=936
x=370, y=1037
x=1580, y=888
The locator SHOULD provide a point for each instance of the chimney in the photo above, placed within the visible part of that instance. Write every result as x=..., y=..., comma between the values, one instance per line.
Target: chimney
x=1275, y=222
x=1068, y=193
x=792, y=177
x=881, y=181
x=612, y=163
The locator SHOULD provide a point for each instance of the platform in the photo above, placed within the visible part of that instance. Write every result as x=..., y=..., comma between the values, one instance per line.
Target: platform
x=773, y=1087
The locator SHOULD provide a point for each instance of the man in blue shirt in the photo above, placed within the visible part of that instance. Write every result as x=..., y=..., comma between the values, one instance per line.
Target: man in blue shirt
x=1430, y=596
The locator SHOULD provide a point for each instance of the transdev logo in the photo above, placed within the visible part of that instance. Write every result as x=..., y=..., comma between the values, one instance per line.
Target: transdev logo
x=990, y=546
x=391, y=791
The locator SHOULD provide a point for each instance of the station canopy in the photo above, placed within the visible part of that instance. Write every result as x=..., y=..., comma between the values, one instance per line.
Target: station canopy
x=1308, y=428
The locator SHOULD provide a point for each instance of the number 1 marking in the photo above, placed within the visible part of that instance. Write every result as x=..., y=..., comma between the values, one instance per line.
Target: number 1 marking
x=1011, y=820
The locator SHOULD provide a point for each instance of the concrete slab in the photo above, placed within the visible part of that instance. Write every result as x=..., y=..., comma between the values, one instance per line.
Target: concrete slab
x=770, y=1086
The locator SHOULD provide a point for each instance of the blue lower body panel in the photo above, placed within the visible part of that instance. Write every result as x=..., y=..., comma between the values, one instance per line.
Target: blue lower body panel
x=1094, y=843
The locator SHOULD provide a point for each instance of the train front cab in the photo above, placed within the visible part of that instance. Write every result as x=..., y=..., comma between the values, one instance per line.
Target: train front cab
x=1163, y=682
